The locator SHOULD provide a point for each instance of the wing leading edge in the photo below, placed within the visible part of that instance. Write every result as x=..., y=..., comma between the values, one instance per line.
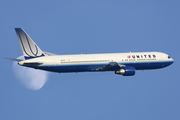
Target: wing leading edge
x=112, y=66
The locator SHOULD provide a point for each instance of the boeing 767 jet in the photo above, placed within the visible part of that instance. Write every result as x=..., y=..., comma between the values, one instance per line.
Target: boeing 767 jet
x=121, y=63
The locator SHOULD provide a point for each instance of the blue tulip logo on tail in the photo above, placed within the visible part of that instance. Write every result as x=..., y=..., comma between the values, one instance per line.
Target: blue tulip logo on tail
x=28, y=46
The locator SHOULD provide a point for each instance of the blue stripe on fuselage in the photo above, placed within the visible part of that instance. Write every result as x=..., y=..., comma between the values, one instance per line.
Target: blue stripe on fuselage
x=91, y=67
x=72, y=67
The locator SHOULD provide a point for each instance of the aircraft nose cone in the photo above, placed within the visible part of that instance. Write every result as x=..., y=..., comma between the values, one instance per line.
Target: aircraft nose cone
x=172, y=61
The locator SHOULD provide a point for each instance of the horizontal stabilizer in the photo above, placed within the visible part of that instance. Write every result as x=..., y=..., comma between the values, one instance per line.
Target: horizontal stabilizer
x=30, y=63
x=13, y=59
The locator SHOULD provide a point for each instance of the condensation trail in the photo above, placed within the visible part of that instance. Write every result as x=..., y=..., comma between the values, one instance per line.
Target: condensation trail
x=31, y=78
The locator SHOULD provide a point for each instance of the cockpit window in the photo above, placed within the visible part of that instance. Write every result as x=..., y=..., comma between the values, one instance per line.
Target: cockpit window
x=169, y=57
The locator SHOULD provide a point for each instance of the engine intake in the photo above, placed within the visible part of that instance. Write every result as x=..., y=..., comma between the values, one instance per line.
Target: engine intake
x=126, y=71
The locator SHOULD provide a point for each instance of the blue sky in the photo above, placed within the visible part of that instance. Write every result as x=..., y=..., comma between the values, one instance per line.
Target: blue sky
x=95, y=26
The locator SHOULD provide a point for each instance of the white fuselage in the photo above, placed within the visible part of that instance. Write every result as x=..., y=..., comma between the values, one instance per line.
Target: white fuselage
x=122, y=63
x=91, y=62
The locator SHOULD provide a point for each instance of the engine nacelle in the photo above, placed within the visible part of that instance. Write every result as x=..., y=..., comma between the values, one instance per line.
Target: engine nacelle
x=126, y=71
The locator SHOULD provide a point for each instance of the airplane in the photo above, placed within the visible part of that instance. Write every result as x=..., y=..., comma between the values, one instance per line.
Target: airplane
x=124, y=64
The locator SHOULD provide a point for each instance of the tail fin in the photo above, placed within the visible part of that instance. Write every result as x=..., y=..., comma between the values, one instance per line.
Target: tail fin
x=28, y=46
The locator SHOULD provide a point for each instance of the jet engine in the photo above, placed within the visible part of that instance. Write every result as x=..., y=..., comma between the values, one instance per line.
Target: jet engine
x=126, y=71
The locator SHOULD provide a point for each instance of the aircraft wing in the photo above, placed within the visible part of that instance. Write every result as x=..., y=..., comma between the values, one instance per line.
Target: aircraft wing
x=112, y=66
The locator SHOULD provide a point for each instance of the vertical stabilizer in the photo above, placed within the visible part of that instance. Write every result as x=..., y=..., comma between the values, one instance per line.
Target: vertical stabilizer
x=28, y=46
